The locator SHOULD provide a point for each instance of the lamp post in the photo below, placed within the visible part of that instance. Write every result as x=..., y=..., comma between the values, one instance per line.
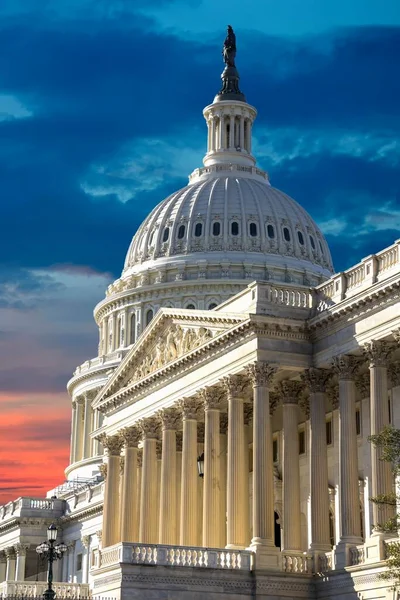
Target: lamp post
x=51, y=552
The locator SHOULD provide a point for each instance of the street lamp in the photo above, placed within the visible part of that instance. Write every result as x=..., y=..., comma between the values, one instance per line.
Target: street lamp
x=51, y=552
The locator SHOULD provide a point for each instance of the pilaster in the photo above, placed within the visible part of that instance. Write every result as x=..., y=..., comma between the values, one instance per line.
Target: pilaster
x=111, y=531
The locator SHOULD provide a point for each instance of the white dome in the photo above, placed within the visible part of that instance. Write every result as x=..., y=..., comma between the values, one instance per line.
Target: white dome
x=230, y=214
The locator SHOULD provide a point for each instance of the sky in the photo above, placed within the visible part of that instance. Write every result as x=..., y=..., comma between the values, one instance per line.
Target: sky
x=101, y=118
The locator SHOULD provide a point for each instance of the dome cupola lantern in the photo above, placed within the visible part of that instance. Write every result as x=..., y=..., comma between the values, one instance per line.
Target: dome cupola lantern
x=229, y=118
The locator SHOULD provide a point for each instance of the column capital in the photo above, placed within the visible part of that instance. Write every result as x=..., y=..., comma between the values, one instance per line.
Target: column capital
x=99, y=535
x=112, y=443
x=74, y=404
x=223, y=423
x=290, y=391
x=235, y=385
x=212, y=398
x=169, y=418
x=85, y=539
x=103, y=470
x=150, y=427
x=333, y=396
x=315, y=379
x=20, y=549
x=394, y=373
x=80, y=399
x=261, y=373
x=131, y=436
x=248, y=413
x=377, y=352
x=345, y=366
x=363, y=384
x=190, y=408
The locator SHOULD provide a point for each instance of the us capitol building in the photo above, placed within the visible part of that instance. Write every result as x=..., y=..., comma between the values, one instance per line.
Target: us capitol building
x=219, y=444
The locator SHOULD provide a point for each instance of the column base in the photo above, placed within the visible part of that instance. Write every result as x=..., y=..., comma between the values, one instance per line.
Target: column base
x=267, y=557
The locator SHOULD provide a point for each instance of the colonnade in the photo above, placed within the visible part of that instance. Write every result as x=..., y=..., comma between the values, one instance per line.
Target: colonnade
x=13, y=562
x=221, y=518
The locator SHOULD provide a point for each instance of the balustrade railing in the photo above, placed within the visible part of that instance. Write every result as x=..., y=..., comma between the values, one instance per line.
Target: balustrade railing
x=178, y=556
x=32, y=589
x=297, y=563
x=357, y=555
x=31, y=506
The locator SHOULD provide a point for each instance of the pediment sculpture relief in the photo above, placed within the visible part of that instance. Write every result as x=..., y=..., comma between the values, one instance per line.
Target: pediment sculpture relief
x=177, y=342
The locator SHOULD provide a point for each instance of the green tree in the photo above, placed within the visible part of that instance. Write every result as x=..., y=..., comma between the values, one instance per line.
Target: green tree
x=388, y=441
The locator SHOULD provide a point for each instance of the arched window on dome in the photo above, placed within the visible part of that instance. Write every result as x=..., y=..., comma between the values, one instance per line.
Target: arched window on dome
x=151, y=238
x=149, y=316
x=198, y=229
x=118, y=333
x=286, y=234
x=320, y=247
x=212, y=305
x=181, y=232
x=165, y=235
x=190, y=306
x=271, y=231
x=235, y=228
x=300, y=237
x=253, y=229
x=216, y=229
x=312, y=242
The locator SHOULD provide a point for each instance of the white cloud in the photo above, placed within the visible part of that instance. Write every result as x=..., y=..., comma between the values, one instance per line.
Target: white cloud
x=334, y=226
x=382, y=219
x=12, y=108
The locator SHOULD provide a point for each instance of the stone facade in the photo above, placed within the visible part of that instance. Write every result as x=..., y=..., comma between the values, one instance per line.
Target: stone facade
x=226, y=342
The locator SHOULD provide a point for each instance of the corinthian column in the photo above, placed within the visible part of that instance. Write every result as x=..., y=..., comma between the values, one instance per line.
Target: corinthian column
x=290, y=393
x=345, y=366
x=212, y=398
x=10, y=569
x=129, y=513
x=20, y=550
x=73, y=433
x=316, y=379
x=237, y=489
x=79, y=429
x=189, y=486
x=113, y=445
x=261, y=375
x=167, y=532
x=148, y=519
x=378, y=354
x=3, y=566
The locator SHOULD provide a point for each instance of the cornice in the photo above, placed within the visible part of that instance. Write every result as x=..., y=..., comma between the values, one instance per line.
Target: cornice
x=83, y=513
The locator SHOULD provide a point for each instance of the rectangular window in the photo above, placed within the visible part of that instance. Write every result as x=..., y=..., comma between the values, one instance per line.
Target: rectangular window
x=358, y=421
x=329, y=438
x=302, y=441
x=275, y=450
x=79, y=562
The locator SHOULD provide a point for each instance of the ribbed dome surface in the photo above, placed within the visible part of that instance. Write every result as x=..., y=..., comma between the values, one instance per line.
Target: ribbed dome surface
x=230, y=217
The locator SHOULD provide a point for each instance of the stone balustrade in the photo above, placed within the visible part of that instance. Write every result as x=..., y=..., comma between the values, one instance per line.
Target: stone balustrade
x=31, y=589
x=323, y=562
x=357, y=555
x=35, y=507
x=177, y=556
x=372, y=269
x=297, y=563
x=99, y=362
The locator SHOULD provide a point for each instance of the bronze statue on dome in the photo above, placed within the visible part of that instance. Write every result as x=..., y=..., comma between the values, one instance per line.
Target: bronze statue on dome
x=229, y=48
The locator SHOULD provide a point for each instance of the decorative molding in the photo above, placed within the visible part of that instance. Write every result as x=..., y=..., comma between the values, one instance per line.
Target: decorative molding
x=169, y=418
x=290, y=391
x=315, y=379
x=261, y=373
x=112, y=443
x=345, y=367
x=85, y=539
x=377, y=352
x=131, y=436
x=190, y=408
x=212, y=398
x=235, y=386
x=150, y=427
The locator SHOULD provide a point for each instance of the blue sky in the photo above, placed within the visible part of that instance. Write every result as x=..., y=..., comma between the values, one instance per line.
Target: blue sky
x=101, y=118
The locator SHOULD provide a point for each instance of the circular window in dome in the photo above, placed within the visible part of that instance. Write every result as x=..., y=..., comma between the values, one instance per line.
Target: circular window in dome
x=286, y=234
x=301, y=238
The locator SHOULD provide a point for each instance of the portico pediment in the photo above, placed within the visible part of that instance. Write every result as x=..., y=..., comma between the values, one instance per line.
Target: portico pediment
x=170, y=336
